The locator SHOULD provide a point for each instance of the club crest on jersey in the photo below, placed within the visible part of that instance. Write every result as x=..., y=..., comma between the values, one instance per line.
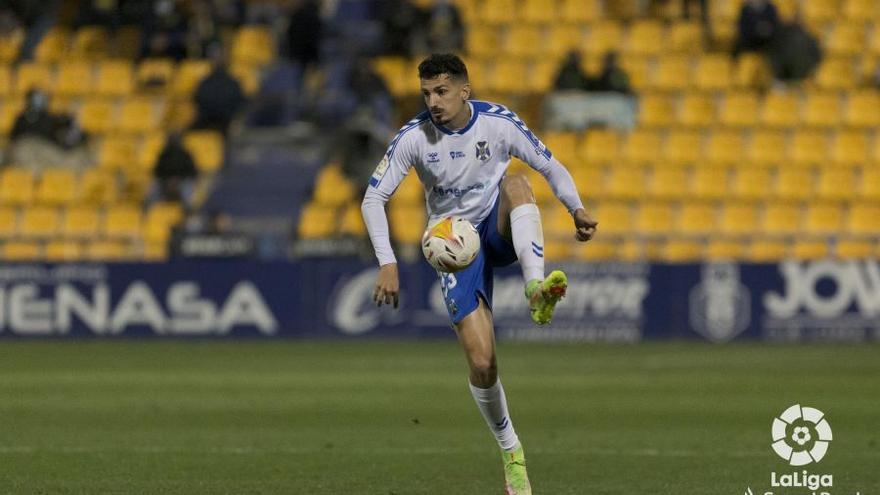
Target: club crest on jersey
x=433, y=157
x=483, y=153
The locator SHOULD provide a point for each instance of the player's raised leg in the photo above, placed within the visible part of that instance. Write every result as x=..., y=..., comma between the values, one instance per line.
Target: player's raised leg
x=520, y=221
x=477, y=338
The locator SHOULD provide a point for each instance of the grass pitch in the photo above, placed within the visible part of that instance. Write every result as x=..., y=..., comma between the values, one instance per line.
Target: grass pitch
x=396, y=418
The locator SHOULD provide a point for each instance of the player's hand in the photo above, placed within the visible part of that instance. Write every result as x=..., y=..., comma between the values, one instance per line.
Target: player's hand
x=387, y=286
x=585, y=225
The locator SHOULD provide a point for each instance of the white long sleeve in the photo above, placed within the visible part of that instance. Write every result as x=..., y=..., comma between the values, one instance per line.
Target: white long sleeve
x=562, y=184
x=373, y=210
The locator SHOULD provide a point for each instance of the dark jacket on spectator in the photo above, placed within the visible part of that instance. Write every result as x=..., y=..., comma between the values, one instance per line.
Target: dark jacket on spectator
x=218, y=98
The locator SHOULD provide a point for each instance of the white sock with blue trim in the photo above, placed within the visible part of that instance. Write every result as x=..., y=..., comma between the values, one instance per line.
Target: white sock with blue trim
x=493, y=405
x=528, y=240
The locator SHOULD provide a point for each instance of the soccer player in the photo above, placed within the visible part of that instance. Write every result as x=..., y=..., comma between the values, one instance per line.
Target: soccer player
x=461, y=149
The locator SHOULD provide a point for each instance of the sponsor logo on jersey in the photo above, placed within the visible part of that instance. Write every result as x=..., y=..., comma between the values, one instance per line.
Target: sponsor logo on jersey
x=483, y=153
x=455, y=191
x=456, y=154
x=433, y=157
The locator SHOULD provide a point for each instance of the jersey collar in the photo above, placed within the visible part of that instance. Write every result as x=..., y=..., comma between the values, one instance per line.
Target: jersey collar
x=446, y=130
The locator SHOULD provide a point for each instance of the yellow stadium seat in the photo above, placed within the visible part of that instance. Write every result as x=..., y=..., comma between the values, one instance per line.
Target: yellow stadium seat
x=89, y=43
x=8, y=114
x=190, y=74
x=684, y=37
x=63, y=250
x=562, y=39
x=206, y=148
x=818, y=12
x=616, y=218
x=725, y=147
x=810, y=147
x=696, y=218
x=352, y=222
x=581, y=11
x=332, y=188
x=16, y=186
x=140, y=114
x=638, y=68
x=683, y=147
x=98, y=186
x=253, y=45
x=96, y=115
x=672, y=73
x=53, y=46
x=836, y=183
x=600, y=146
x=682, y=251
x=822, y=109
x=410, y=192
x=738, y=219
x=57, y=187
x=115, y=78
x=524, y=41
x=767, y=148
x=738, y=109
x=862, y=219
x=645, y=37
x=122, y=221
x=155, y=251
x=854, y=249
x=808, y=249
x=80, y=222
x=713, y=72
x=709, y=182
x=508, y=77
x=10, y=45
x=542, y=76
x=696, y=110
x=160, y=220
x=74, y=79
x=823, y=218
x=641, y=146
x=134, y=187
x=850, y=148
x=248, y=76
x=541, y=189
x=626, y=182
x=766, y=250
x=655, y=110
x=861, y=109
x=482, y=42
x=563, y=145
x=604, y=36
x=590, y=181
x=752, y=182
x=107, y=250
x=5, y=81
x=8, y=222
x=597, y=250
x=861, y=10
x=32, y=75
x=151, y=146
x=407, y=224
x=869, y=184
x=794, y=183
x=781, y=218
x=780, y=110
x=316, y=222
x=118, y=152
x=836, y=74
x=751, y=71
x=39, y=221
x=392, y=69
x=21, y=251
x=654, y=218
x=846, y=38
x=724, y=249
x=539, y=11
x=155, y=72
x=668, y=183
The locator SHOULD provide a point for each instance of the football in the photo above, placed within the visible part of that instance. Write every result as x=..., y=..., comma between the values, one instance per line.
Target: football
x=451, y=244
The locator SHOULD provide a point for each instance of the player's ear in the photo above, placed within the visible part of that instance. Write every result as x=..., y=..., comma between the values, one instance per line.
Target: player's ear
x=466, y=91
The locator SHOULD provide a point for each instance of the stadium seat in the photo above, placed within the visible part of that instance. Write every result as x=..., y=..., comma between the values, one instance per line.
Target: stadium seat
x=63, y=250
x=862, y=219
x=5, y=82
x=738, y=219
x=781, y=218
x=752, y=183
x=597, y=250
x=818, y=12
x=626, y=182
x=407, y=224
x=74, y=78
x=155, y=251
x=39, y=222
x=617, y=218
x=854, y=249
x=738, y=109
x=684, y=37
x=523, y=41
x=667, y=183
x=654, y=218
x=794, y=183
x=206, y=148
x=713, y=72
x=810, y=147
x=563, y=145
x=590, y=181
x=352, y=221
x=709, y=182
x=53, y=46
x=861, y=10
x=253, y=45
x=836, y=183
x=151, y=146
x=155, y=73
x=645, y=37
x=57, y=186
x=482, y=42
x=332, y=188
x=98, y=186
x=850, y=148
x=32, y=75
x=316, y=222
x=672, y=73
x=725, y=147
x=655, y=110
x=836, y=74
x=89, y=43
x=601, y=146
x=822, y=109
x=683, y=147
x=846, y=38
x=410, y=192
x=508, y=77
x=809, y=249
x=541, y=189
x=539, y=11
x=869, y=184
x=562, y=39
x=780, y=110
x=8, y=113
x=696, y=110
x=122, y=222
x=604, y=36
x=641, y=146
x=190, y=74
x=80, y=222
x=682, y=251
x=751, y=71
x=766, y=250
x=581, y=11
x=725, y=250
x=96, y=115
x=21, y=251
x=8, y=222
x=16, y=186
x=823, y=218
x=767, y=148
x=10, y=45
x=696, y=218
x=861, y=109
x=638, y=69
x=140, y=115
x=118, y=152
x=115, y=78
x=160, y=219
x=541, y=77
x=107, y=250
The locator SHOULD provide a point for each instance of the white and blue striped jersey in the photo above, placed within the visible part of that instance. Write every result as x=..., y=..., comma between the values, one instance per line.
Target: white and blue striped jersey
x=460, y=170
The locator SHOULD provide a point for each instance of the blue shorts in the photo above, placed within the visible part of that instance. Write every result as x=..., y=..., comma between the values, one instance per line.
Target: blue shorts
x=462, y=290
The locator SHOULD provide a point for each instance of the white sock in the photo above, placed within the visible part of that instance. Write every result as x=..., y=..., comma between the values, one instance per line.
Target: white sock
x=493, y=405
x=528, y=240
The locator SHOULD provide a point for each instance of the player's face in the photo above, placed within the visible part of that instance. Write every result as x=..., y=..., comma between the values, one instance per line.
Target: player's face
x=445, y=98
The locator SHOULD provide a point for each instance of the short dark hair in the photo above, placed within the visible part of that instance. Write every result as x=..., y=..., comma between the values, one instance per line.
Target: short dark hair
x=443, y=63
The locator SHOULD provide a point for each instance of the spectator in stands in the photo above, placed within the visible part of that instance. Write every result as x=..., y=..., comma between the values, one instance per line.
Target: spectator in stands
x=203, y=32
x=218, y=97
x=304, y=32
x=370, y=91
x=106, y=13
x=174, y=173
x=758, y=23
x=361, y=145
x=404, y=26
x=41, y=139
x=612, y=77
x=794, y=52
x=571, y=75
x=164, y=31
x=445, y=28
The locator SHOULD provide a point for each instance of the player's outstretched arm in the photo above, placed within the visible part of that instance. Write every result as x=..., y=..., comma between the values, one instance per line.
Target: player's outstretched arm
x=387, y=286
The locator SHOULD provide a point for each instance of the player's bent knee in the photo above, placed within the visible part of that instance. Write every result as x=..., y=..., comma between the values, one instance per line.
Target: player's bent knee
x=517, y=190
x=483, y=371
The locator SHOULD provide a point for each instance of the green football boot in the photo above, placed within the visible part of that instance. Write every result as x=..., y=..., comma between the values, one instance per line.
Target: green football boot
x=544, y=294
x=516, y=480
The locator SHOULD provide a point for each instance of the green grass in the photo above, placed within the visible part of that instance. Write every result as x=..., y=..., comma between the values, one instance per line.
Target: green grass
x=396, y=418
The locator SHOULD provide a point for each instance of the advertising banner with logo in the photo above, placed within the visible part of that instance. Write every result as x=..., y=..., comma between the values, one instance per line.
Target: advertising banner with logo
x=331, y=298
